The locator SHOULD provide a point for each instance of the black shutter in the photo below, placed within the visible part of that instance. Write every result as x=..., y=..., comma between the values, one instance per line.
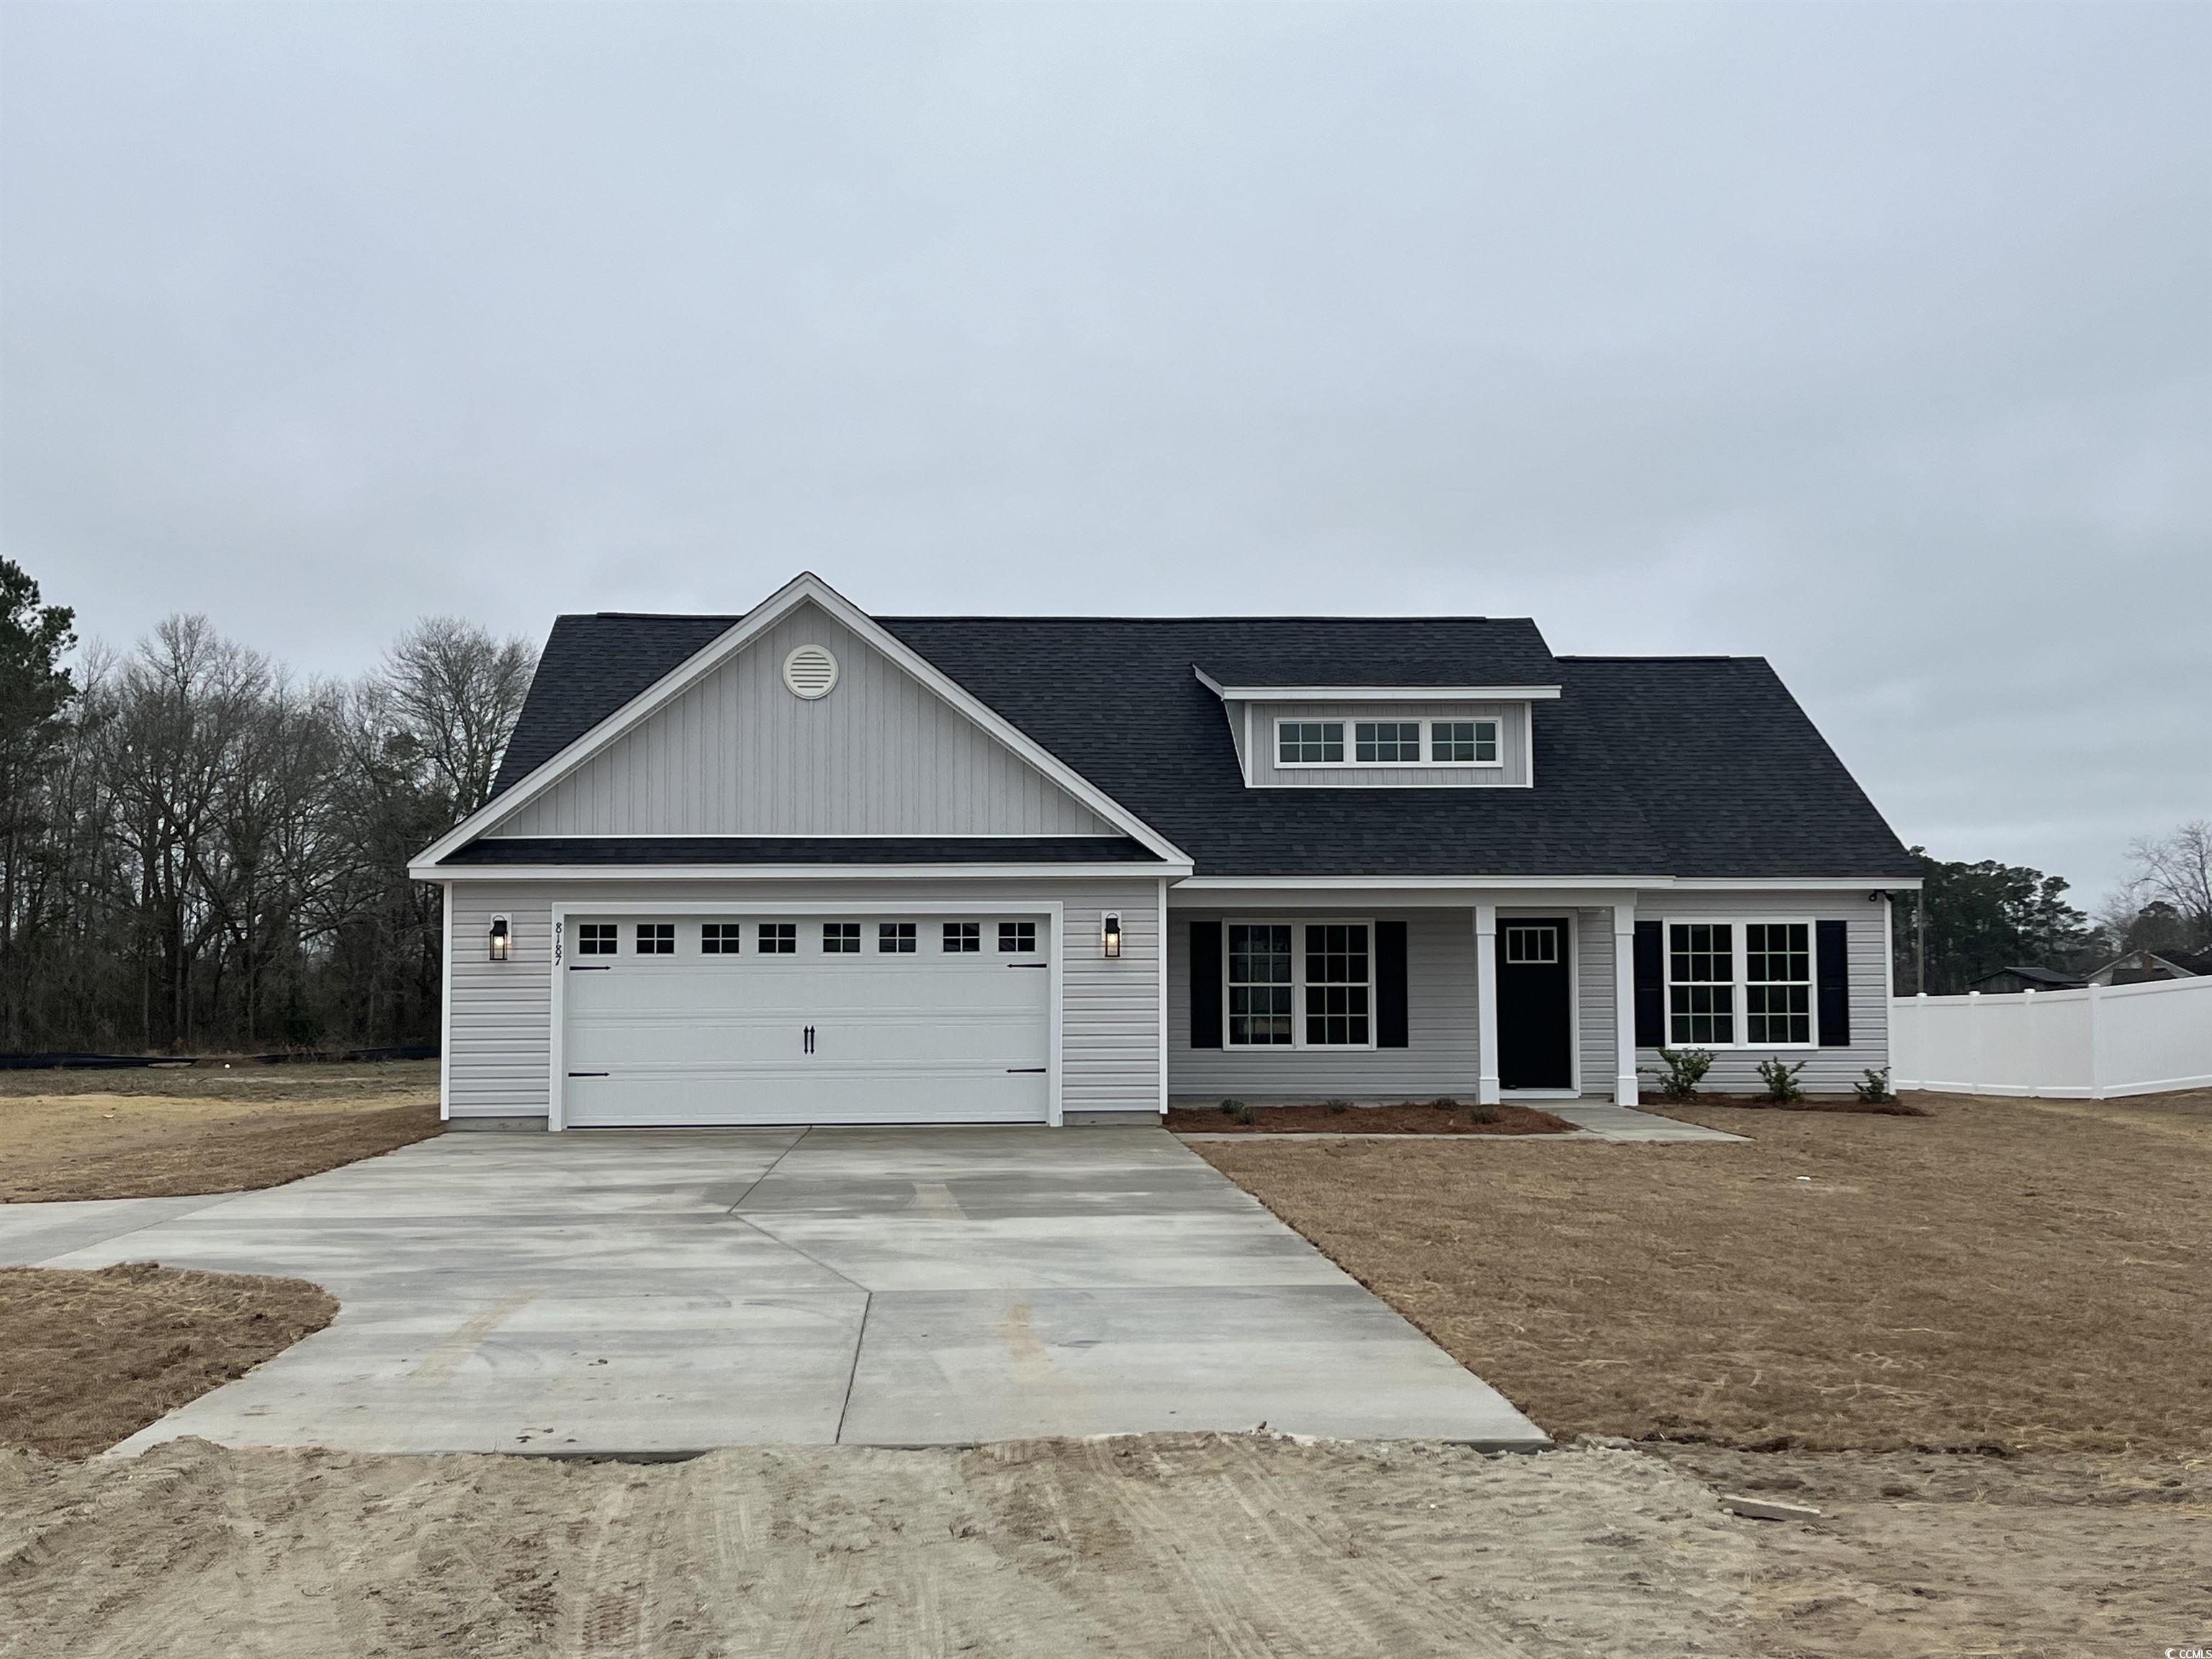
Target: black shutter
x=1650, y=985
x=1206, y=985
x=1390, y=985
x=1831, y=979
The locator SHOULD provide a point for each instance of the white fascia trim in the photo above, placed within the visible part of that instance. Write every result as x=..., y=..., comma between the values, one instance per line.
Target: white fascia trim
x=1404, y=883
x=1793, y=884
x=1376, y=693
x=803, y=588
x=461, y=872
x=1414, y=883
x=825, y=835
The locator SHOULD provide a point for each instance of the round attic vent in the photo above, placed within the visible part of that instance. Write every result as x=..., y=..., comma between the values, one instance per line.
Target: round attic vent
x=810, y=672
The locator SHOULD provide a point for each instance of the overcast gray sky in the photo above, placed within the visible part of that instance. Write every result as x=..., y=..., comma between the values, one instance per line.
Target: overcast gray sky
x=1873, y=339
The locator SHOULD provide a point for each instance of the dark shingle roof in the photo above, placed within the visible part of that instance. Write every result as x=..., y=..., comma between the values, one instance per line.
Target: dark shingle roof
x=1729, y=773
x=512, y=852
x=1644, y=766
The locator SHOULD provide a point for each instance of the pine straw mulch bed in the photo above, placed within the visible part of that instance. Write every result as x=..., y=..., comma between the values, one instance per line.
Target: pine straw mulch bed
x=89, y=1358
x=2011, y=1274
x=1654, y=1102
x=1432, y=1117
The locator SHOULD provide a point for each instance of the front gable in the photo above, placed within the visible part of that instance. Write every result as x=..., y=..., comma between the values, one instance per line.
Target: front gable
x=738, y=753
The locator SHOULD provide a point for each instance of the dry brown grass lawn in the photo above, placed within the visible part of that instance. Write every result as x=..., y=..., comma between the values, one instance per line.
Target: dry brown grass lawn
x=91, y=1357
x=166, y=1132
x=2002, y=1273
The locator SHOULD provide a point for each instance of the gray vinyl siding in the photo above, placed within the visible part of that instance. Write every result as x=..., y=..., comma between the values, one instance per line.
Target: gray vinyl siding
x=501, y=1015
x=1595, y=1005
x=1827, y=1071
x=739, y=755
x=1442, y=1055
x=1512, y=720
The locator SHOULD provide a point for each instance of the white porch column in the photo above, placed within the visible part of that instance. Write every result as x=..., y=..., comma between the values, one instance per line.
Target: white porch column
x=1485, y=1000
x=1624, y=1003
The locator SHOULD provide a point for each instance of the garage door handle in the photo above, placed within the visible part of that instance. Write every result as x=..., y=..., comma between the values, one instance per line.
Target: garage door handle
x=1029, y=964
x=588, y=1074
x=590, y=967
x=810, y=1039
x=1025, y=1071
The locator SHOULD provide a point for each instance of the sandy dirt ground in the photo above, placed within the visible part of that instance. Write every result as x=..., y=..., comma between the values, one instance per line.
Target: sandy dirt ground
x=1852, y=1311
x=167, y=1132
x=1183, y=1546
x=88, y=1358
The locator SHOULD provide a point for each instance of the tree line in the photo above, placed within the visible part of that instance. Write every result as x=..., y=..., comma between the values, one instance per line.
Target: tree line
x=200, y=851
x=1974, y=919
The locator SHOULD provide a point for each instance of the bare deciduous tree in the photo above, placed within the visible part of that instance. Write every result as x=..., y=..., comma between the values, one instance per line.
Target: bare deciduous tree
x=454, y=691
x=2178, y=868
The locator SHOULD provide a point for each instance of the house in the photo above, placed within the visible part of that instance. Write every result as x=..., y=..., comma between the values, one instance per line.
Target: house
x=2007, y=980
x=807, y=865
x=2139, y=968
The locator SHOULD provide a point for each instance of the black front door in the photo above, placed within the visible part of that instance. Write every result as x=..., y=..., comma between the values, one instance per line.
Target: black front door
x=1535, y=1029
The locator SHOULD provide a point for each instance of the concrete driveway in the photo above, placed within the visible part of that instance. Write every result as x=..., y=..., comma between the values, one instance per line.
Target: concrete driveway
x=633, y=1293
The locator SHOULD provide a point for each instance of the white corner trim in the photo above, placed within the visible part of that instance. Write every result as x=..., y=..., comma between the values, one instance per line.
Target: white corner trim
x=799, y=590
x=446, y=1005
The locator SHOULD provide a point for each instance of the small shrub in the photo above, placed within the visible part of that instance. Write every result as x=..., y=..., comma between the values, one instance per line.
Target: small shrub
x=1482, y=1114
x=1336, y=1107
x=1875, y=1090
x=1230, y=1108
x=1685, y=1069
x=1445, y=1103
x=1240, y=1113
x=1781, y=1081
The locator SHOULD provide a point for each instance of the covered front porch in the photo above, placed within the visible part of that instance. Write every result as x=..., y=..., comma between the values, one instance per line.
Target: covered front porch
x=1282, y=993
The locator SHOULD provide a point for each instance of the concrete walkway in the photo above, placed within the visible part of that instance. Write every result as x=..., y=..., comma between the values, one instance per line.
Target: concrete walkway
x=626, y=1292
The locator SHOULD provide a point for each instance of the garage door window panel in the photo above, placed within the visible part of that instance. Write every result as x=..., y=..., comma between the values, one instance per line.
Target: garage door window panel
x=1018, y=937
x=895, y=939
x=779, y=938
x=962, y=938
x=656, y=938
x=596, y=938
x=841, y=939
x=721, y=938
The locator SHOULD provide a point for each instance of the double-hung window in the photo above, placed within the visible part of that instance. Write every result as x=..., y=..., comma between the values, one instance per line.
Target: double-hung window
x=1778, y=991
x=1745, y=985
x=1261, y=986
x=1463, y=743
x=1309, y=742
x=1304, y=985
x=1701, y=982
x=1387, y=743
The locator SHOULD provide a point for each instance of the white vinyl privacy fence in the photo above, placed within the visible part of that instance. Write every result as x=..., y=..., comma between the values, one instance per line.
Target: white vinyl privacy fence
x=2086, y=1045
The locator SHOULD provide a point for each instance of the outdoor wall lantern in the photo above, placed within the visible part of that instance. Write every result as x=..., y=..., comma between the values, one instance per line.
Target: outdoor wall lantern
x=1111, y=933
x=502, y=939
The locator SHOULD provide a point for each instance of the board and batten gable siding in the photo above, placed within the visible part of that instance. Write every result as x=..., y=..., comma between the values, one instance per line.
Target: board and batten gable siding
x=738, y=754
x=1442, y=1054
x=1866, y=942
x=1512, y=720
x=501, y=1017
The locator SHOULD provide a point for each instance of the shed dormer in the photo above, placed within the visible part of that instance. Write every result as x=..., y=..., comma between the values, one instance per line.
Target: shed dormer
x=1382, y=736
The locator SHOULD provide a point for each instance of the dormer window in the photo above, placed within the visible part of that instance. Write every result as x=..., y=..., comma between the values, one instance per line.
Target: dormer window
x=1387, y=743
x=1309, y=742
x=1463, y=743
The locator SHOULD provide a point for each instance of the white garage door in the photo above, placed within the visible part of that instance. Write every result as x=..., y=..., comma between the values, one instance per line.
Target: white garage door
x=884, y=1018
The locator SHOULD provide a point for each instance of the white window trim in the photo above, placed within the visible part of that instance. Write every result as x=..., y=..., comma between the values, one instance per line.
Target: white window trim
x=1349, y=764
x=1298, y=925
x=1737, y=965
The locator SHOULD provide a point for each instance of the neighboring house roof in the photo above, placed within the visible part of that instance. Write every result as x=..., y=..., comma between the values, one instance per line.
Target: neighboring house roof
x=2148, y=962
x=2044, y=977
x=1693, y=767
